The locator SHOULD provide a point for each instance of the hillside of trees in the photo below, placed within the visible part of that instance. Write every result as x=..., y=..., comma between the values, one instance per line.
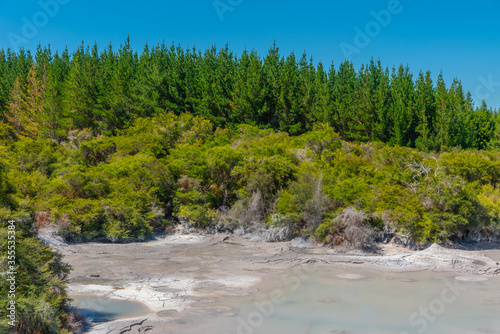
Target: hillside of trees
x=166, y=169
x=117, y=145
x=97, y=140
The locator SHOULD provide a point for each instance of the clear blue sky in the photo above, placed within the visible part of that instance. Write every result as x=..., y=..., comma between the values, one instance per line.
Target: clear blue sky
x=461, y=38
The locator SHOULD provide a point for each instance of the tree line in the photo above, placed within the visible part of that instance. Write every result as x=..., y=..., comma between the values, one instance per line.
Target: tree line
x=47, y=95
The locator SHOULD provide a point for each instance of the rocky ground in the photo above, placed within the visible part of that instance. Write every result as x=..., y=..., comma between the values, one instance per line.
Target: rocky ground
x=180, y=276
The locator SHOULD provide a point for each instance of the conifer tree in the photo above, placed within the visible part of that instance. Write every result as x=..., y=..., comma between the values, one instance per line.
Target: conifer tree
x=469, y=130
x=331, y=114
x=5, y=84
x=484, y=126
x=271, y=70
x=381, y=103
x=82, y=90
x=34, y=99
x=145, y=88
x=53, y=123
x=15, y=114
x=441, y=124
x=249, y=91
x=403, y=118
x=458, y=115
x=287, y=110
x=305, y=93
x=425, y=110
x=321, y=103
x=345, y=95
x=373, y=100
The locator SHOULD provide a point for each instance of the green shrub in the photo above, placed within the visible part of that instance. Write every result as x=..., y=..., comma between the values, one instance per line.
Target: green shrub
x=41, y=300
x=97, y=151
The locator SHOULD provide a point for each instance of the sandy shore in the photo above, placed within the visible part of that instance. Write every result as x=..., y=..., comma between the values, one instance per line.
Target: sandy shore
x=179, y=275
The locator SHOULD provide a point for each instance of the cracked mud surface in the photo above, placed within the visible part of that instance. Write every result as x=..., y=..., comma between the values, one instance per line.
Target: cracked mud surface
x=180, y=277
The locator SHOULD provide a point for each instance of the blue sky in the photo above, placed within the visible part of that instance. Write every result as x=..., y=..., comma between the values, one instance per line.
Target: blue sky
x=462, y=39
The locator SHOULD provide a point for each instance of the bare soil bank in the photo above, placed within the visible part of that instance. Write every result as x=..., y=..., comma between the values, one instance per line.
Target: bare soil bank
x=181, y=276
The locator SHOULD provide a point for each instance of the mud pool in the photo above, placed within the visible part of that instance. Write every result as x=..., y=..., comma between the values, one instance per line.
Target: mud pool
x=332, y=300
x=101, y=309
x=227, y=284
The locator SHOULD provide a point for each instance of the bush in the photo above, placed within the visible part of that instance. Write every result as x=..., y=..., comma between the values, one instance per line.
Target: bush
x=34, y=155
x=199, y=215
x=489, y=198
x=7, y=134
x=42, y=304
x=97, y=151
x=248, y=211
x=351, y=228
x=472, y=167
x=169, y=166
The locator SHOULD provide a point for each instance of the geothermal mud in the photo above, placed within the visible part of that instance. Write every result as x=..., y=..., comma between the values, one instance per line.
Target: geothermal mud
x=184, y=279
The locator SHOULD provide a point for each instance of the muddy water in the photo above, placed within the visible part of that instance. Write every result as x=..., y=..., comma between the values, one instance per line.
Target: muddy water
x=101, y=309
x=318, y=299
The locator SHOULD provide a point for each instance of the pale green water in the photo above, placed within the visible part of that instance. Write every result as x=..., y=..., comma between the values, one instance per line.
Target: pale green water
x=320, y=302
x=101, y=309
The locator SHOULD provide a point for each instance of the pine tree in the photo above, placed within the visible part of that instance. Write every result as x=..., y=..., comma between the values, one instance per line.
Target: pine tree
x=15, y=114
x=373, y=100
x=425, y=110
x=287, y=111
x=321, y=104
x=54, y=124
x=81, y=93
x=117, y=75
x=469, y=130
x=305, y=94
x=441, y=124
x=34, y=99
x=211, y=103
x=484, y=126
x=271, y=70
x=5, y=84
x=145, y=88
x=249, y=91
x=346, y=96
x=331, y=114
x=26, y=104
x=177, y=75
x=458, y=114
x=21, y=65
x=225, y=70
x=381, y=103
x=404, y=120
